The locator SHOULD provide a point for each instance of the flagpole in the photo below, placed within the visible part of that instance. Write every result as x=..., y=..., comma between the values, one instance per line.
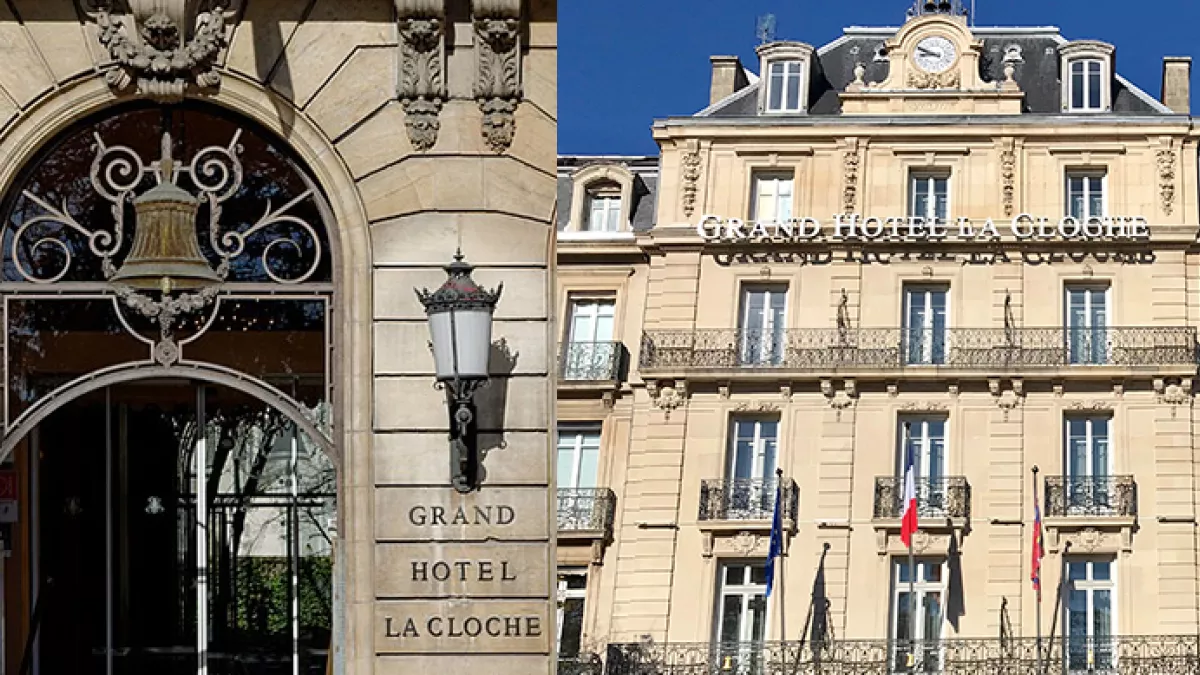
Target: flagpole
x=1038, y=620
x=782, y=605
x=912, y=565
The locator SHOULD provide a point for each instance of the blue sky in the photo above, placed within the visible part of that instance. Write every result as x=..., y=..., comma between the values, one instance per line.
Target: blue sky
x=624, y=63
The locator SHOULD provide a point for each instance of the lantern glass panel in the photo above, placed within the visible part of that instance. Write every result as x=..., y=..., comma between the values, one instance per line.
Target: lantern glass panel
x=470, y=332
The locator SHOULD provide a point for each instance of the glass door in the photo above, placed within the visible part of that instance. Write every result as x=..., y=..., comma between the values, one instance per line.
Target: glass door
x=742, y=622
x=1088, y=465
x=181, y=530
x=1087, y=324
x=590, y=352
x=925, y=325
x=762, y=325
x=1089, y=617
x=926, y=439
x=751, y=488
x=916, y=639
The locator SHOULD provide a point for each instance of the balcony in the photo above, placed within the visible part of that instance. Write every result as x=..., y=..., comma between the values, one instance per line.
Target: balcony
x=943, y=509
x=585, y=517
x=736, y=513
x=580, y=664
x=591, y=363
x=990, y=351
x=1092, y=513
x=1060, y=656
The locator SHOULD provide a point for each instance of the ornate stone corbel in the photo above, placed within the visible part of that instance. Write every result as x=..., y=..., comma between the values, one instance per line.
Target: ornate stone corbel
x=667, y=398
x=1174, y=393
x=422, y=87
x=786, y=391
x=498, y=62
x=1165, y=161
x=689, y=190
x=161, y=47
x=1007, y=399
x=840, y=399
x=723, y=390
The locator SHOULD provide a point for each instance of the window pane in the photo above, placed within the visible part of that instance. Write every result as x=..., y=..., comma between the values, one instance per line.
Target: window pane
x=775, y=89
x=931, y=571
x=588, y=465
x=1076, y=571
x=734, y=574
x=793, y=87
x=920, y=201
x=758, y=607
x=572, y=627
x=1094, y=88
x=1102, y=571
x=731, y=618
x=1077, y=81
x=566, y=460
x=758, y=574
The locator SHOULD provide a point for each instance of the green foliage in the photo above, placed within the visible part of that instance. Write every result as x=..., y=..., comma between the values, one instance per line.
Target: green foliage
x=261, y=602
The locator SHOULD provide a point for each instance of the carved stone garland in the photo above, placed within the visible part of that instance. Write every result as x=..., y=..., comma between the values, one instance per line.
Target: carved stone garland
x=691, y=177
x=498, y=60
x=1008, y=177
x=154, y=49
x=1165, y=160
x=850, y=162
x=422, y=87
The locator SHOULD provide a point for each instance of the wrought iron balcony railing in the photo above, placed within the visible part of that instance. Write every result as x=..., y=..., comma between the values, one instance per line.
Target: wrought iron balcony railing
x=1145, y=655
x=591, y=361
x=946, y=497
x=580, y=664
x=1105, y=496
x=586, y=510
x=745, y=499
x=818, y=349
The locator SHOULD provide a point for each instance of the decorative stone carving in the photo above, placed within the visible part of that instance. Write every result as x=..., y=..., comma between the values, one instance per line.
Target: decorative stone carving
x=1009, y=399
x=667, y=398
x=163, y=46
x=922, y=80
x=422, y=88
x=690, y=177
x=785, y=392
x=850, y=162
x=1096, y=404
x=1174, y=392
x=1008, y=177
x=745, y=542
x=1165, y=160
x=723, y=390
x=920, y=541
x=1089, y=540
x=925, y=406
x=840, y=399
x=498, y=62
x=756, y=407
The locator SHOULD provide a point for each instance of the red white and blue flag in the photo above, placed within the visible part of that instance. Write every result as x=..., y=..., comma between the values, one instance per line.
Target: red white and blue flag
x=908, y=523
x=1039, y=548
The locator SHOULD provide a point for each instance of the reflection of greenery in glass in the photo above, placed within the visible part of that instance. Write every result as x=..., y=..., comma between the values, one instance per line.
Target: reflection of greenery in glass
x=262, y=600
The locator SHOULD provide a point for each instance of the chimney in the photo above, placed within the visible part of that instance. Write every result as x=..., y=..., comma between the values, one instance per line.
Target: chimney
x=728, y=77
x=1176, y=84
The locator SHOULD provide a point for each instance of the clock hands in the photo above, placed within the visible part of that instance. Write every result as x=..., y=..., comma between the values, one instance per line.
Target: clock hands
x=928, y=52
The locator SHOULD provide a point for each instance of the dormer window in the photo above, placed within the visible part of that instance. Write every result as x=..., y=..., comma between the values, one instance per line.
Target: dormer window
x=604, y=208
x=785, y=68
x=1086, y=84
x=1087, y=68
x=783, y=86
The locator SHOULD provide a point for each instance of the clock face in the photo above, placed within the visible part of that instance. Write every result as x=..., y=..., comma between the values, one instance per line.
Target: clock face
x=935, y=54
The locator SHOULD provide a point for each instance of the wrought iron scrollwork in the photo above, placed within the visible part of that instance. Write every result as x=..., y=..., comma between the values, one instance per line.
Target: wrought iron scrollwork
x=819, y=349
x=745, y=498
x=1069, y=655
x=945, y=497
x=586, y=510
x=591, y=361
x=1114, y=496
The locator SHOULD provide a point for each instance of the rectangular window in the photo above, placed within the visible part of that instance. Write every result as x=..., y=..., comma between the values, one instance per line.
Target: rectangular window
x=925, y=310
x=918, y=601
x=929, y=196
x=783, y=86
x=604, y=212
x=578, y=455
x=741, y=615
x=750, y=486
x=772, y=197
x=1085, y=194
x=1087, y=84
x=762, y=325
x=1087, y=324
x=1088, y=465
x=590, y=353
x=572, y=594
x=1089, y=616
x=925, y=437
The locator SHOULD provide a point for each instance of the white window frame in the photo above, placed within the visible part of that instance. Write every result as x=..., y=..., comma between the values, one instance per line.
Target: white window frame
x=775, y=180
x=764, y=353
x=747, y=590
x=926, y=290
x=1090, y=440
x=921, y=589
x=610, y=201
x=1070, y=174
x=565, y=594
x=929, y=177
x=593, y=309
x=1070, y=329
x=579, y=430
x=792, y=68
x=1089, y=586
x=920, y=432
x=759, y=444
x=1102, y=95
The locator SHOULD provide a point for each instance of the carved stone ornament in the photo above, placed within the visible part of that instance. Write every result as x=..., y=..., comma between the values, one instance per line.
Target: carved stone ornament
x=921, y=80
x=925, y=406
x=850, y=162
x=921, y=541
x=422, y=87
x=840, y=399
x=756, y=407
x=1096, y=405
x=1174, y=393
x=1008, y=177
x=667, y=398
x=1165, y=160
x=1009, y=399
x=690, y=177
x=745, y=542
x=498, y=64
x=163, y=46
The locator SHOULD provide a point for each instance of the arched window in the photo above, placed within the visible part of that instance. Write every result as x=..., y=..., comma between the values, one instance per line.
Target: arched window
x=167, y=288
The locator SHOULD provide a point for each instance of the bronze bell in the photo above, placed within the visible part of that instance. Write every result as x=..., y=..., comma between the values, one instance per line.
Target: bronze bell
x=166, y=254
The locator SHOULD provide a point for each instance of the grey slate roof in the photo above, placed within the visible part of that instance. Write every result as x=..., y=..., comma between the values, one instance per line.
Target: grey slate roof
x=645, y=186
x=1037, y=75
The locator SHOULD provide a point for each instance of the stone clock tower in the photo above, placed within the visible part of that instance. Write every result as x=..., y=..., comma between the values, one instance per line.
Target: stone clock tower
x=933, y=67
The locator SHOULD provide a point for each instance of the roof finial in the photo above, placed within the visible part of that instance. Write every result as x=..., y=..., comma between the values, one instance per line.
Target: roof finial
x=951, y=7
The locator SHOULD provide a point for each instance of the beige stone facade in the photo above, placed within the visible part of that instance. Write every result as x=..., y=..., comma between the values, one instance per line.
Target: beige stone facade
x=753, y=347
x=425, y=126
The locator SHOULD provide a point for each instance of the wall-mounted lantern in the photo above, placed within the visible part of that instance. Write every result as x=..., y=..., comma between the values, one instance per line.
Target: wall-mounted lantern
x=460, y=329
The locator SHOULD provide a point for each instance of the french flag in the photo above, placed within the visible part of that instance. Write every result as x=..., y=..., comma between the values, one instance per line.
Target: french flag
x=908, y=524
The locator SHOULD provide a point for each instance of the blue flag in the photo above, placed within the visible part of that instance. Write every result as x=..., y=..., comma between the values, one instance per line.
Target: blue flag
x=776, y=536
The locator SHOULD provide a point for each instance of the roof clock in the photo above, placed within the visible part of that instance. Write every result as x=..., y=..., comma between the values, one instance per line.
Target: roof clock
x=935, y=54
